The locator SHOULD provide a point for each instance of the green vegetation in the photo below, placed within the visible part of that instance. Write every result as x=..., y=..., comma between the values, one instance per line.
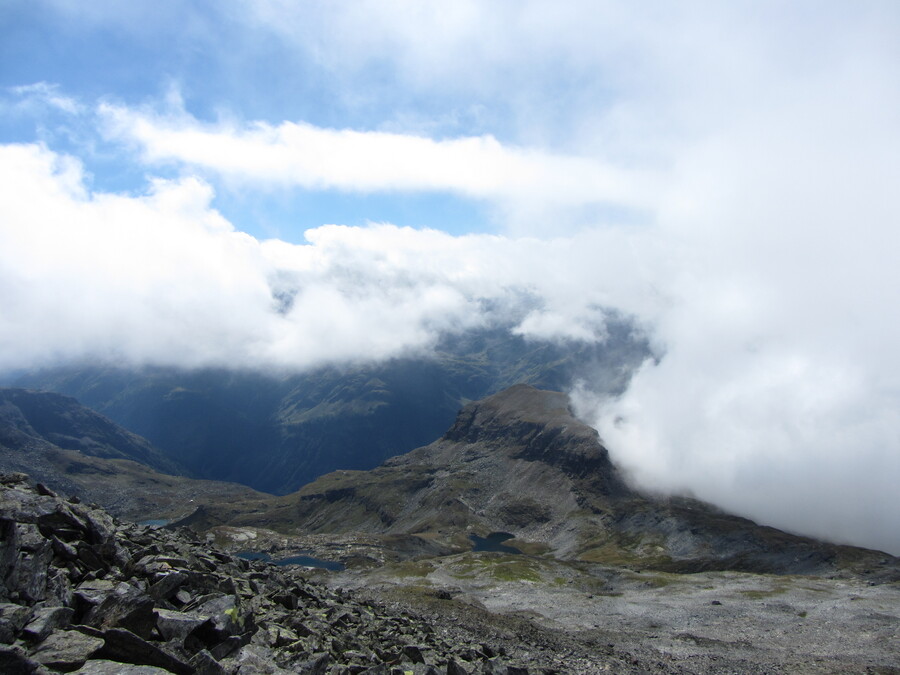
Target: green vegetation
x=508, y=568
x=761, y=594
x=412, y=568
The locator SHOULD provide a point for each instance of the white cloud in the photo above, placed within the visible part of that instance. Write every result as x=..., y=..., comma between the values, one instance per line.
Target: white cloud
x=163, y=278
x=44, y=93
x=302, y=155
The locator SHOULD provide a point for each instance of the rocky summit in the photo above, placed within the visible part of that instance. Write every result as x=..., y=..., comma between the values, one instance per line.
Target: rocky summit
x=81, y=592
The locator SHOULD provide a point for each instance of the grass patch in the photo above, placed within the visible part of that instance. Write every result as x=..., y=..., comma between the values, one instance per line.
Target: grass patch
x=498, y=567
x=529, y=547
x=762, y=594
x=516, y=570
x=412, y=568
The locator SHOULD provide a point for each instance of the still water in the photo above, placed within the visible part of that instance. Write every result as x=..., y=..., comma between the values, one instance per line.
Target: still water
x=493, y=542
x=305, y=560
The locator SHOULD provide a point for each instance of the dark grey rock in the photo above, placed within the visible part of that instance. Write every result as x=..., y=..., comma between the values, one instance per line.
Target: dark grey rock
x=14, y=661
x=177, y=625
x=413, y=653
x=203, y=663
x=104, y=667
x=13, y=619
x=126, y=607
x=46, y=620
x=454, y=668
x=66, y=650
x=317, y=665
x=123, y=645
x=167, y=585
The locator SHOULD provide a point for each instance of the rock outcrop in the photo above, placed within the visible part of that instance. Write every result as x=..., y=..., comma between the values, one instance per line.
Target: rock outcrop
x=83, y=593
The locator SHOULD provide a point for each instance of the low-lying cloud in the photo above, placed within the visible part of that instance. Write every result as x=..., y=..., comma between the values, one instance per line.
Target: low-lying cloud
x=163, y=278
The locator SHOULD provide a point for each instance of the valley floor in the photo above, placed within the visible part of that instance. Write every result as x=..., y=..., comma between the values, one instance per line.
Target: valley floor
x=589, y=619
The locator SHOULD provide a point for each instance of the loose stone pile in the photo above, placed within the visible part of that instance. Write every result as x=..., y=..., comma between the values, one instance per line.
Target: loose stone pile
x=80, y=592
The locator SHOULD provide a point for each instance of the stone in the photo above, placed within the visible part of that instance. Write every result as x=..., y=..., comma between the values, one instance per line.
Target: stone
x=454, y=668
x=93, y=591
x=126, y=607
x=413, y=653
x=424, y=669
x=177, y=625
x=203, y=663
x=104, y=667
x=167, y=585
x=45, y=621
x=317, y=665
x=66, y=650
x=123, y=645
x=13, y=619
x=14, y=661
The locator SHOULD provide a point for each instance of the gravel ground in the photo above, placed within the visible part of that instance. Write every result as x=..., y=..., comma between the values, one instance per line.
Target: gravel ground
x=590, y=619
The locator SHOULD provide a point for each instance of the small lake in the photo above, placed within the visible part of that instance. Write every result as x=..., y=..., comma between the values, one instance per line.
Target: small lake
x=305, y=560
x=493, y=543
x=154, y=523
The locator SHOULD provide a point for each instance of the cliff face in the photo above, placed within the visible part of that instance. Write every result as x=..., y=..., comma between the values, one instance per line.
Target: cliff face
x=519, y=462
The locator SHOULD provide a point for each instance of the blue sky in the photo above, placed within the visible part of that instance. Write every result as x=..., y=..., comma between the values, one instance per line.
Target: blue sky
x=220, y=68
x=225, y=61
x=725, y=173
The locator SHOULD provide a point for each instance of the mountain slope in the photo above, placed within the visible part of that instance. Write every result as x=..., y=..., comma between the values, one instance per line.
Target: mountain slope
x=76, y=451
x=63, y=422
x=519, y=462
x=278, y=432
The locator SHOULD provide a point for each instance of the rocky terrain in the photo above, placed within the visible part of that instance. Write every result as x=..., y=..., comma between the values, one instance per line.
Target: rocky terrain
x=591, y=576
x=80, y=592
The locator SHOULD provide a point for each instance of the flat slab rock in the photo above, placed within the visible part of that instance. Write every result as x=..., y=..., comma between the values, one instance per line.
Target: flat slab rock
x=66, y=650
x=102, y=667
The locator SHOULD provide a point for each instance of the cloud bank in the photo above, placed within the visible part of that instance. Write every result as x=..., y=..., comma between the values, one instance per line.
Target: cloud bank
x=164, y=278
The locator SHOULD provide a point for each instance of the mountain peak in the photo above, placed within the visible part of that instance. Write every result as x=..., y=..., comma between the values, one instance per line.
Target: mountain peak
x=536, y=425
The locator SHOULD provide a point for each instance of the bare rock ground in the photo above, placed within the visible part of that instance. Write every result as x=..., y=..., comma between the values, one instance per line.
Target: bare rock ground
x=591, y=619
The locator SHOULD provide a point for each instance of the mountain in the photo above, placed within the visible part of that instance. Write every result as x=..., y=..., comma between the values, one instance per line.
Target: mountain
x=77, y=451
x=520, y=463
x=276, y=433
x=27, y=416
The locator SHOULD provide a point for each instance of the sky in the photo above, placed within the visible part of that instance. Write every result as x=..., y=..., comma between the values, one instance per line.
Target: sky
x=279, y=185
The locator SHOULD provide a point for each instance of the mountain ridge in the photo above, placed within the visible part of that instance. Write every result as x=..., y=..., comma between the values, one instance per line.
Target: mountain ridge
x=519, y=462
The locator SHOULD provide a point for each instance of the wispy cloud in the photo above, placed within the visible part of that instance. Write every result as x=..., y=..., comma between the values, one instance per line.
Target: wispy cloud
x=306, y=156
x=44, y=93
